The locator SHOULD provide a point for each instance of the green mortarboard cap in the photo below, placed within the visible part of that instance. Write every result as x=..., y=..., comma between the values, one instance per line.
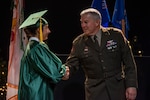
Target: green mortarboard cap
x=32, y=19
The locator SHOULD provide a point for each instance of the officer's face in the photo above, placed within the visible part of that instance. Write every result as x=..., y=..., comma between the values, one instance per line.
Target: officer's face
x=89, y=25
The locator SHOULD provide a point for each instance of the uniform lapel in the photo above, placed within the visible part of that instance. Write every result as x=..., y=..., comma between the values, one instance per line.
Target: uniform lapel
x=89, y=42
x=104, y=37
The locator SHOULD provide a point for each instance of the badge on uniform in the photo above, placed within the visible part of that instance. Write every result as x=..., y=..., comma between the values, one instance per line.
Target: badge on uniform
x=86, y=50
x=111, y=44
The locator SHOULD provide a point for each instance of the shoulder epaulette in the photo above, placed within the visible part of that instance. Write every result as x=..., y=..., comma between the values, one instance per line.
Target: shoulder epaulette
x=78, y=38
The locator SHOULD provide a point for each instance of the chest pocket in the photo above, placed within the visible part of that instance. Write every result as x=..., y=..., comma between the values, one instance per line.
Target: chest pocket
x=88, y=55
x=112, y=50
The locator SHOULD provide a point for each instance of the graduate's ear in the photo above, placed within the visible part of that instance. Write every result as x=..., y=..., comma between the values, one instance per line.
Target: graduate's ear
x=38, y=30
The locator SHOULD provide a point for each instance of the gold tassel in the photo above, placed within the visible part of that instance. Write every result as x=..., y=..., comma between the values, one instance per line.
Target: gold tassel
x=41, y=34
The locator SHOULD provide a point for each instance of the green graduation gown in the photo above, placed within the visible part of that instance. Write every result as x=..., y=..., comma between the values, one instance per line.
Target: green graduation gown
x=40, y=71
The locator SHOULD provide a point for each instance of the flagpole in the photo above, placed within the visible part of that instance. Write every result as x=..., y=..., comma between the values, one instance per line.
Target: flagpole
x=123, y=26
x=123, y=22
x=119, y=18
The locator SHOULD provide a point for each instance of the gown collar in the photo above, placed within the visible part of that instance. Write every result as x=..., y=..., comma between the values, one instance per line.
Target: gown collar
x=34, y=38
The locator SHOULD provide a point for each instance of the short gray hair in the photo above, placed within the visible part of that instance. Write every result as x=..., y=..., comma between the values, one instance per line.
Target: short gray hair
x=92, y=11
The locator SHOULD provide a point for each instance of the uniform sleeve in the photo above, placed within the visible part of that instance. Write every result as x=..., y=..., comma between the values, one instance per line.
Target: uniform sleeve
x=47, y=63
x=73, y=61
x=129, y=62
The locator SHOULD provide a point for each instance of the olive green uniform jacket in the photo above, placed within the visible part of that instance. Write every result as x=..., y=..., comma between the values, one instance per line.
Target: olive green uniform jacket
x=109, y=69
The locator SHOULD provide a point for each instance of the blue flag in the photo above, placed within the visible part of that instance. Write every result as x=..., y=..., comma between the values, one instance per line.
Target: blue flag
x=119, y=18
x=101, y=6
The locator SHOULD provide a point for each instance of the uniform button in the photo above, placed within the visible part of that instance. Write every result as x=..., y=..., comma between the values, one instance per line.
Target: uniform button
x=102, y=60
x=104, y=67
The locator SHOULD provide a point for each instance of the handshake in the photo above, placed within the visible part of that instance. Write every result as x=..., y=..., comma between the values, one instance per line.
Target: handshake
x=66, y=75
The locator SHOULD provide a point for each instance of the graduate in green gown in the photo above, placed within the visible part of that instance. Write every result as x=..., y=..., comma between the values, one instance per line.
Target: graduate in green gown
x=40, y=68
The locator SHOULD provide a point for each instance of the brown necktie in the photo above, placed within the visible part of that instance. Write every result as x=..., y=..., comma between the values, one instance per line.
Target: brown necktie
x=96, y=42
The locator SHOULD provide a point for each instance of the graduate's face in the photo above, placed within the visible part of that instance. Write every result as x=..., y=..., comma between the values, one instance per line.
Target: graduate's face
x=46, y=32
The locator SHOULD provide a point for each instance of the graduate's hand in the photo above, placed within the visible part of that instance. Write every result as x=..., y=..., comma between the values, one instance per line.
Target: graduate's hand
x=66, y=76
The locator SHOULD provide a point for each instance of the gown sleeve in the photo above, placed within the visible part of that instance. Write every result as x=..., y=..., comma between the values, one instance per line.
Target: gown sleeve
x=47, y=63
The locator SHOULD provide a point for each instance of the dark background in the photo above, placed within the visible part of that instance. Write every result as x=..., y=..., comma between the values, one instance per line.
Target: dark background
x=63, y=17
